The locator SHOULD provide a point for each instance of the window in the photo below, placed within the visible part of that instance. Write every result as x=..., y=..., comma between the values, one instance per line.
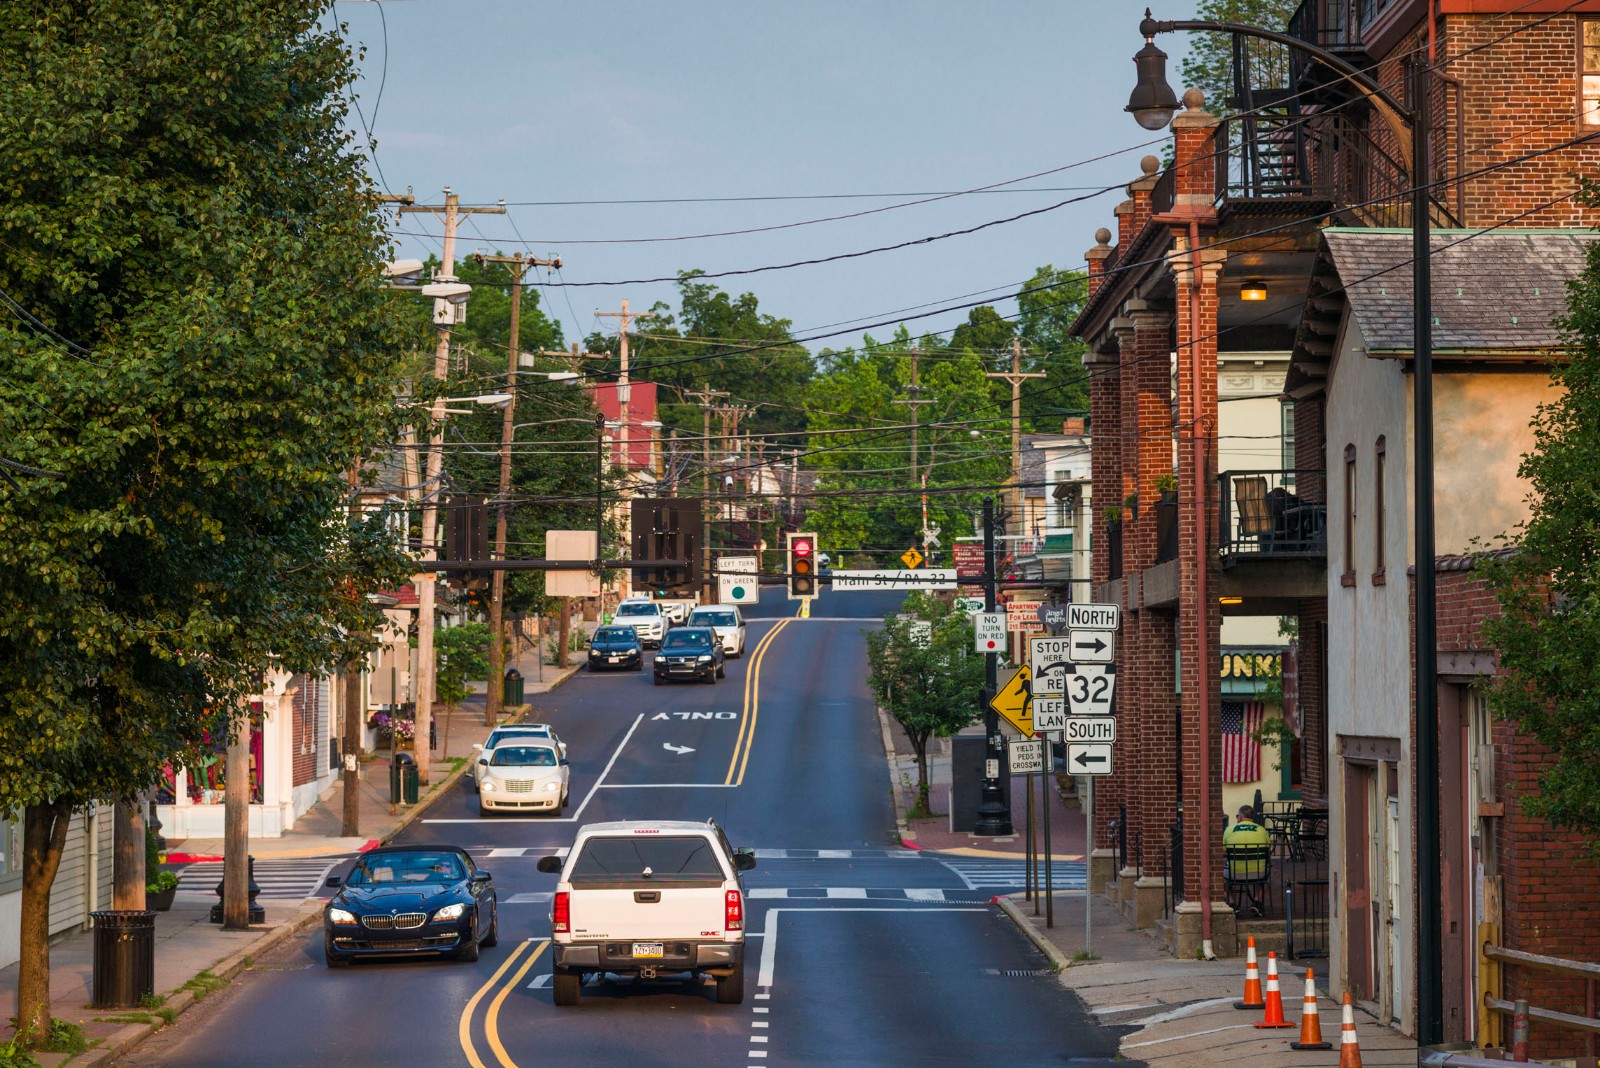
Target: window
x=1287, y=433
x=10, y=854
x=1589, y=73
x=1349, y=576
x=1378, y=533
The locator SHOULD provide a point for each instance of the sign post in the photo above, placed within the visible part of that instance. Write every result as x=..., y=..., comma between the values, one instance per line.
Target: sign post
x=994, y=811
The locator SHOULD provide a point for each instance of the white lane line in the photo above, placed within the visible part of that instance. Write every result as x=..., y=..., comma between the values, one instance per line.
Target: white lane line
x=1181, y=1011
x=758, y=1038
x=762, y=997
x=536, y=897
x=667, y=786
x=515, y=852
x=918, y=893
x=759, y=1023
x=576, y=816
x=761, y=1008
x=858, y=893
x=833, y=854
x=769, y=947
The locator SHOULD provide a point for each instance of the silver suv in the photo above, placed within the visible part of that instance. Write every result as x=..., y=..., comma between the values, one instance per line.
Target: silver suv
x=647, y=620
x=726, y=621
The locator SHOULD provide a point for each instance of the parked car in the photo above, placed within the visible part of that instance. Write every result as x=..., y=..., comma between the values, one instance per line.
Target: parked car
x=405, y=901
x=617, y=647
x=690, y=919
x=646, y=618
x=510, y=731
x=524, y=775
x=726, y=621
x=690, y=653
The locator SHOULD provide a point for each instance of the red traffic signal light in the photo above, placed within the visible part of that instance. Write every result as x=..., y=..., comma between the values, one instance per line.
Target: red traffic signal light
x=802, y=566
x=800, y=547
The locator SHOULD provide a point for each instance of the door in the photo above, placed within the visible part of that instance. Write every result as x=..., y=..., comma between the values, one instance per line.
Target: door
x=1392, y=904
x=1359, y=977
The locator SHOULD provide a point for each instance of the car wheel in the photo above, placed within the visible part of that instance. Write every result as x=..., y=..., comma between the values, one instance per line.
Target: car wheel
x=493, y=937
x=722, y=671
x=469, y=951
x=565, y=987
x=640, y=665
x=711, y=677
x=730, y=988
x=482, y=812
x=658, y=680
x=334, y=959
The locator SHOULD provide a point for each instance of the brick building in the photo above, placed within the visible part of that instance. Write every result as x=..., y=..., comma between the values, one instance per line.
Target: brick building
x=1268, y=234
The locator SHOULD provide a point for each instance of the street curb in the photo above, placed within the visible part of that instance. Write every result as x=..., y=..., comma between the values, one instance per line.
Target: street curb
x=182, y=1000
x=1058, y=959
x=897, y=789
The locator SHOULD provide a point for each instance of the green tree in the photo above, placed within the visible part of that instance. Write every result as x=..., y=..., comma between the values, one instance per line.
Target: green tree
x=1548, y=637
x=1047, y=306
x=462, y=653
x=925, y=674
x=1209, y=63
x=198, y=353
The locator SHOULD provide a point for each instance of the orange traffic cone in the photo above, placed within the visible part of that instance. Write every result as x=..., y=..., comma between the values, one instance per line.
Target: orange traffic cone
x=1252, y=980
x=1274, y=1017
x=1310, y=1019
x=1349, y=1048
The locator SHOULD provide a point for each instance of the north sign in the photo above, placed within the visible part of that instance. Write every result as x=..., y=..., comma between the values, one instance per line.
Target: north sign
x=1093, y=616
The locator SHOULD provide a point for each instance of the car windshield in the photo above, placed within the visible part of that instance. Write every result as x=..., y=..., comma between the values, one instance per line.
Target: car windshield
x=524, y=756
x=418, y=867
x=638, y=609
x=504, y=734
x=683, y=639
x=614, y=634
x=715, y=619
x=665, y=859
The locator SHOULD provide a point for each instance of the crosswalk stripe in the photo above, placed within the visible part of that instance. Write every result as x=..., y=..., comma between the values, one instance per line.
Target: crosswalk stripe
x=978, y=875
x=844, y=893
x=279, y=880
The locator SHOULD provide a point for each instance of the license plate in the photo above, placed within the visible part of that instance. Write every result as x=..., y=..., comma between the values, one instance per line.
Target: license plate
x=614, y=659
x=648, y=949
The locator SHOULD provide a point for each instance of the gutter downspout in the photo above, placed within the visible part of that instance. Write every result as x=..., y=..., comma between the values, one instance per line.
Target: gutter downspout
x=1202, y=606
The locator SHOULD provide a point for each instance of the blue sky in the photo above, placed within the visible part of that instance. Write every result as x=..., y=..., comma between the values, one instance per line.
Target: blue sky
x=537, y=103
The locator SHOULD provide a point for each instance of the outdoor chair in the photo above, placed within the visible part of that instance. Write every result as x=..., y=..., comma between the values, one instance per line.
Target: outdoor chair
x=1246, y=870
x=1250, y=497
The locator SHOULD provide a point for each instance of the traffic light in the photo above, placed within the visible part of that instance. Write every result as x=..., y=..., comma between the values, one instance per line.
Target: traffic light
x=802, y=553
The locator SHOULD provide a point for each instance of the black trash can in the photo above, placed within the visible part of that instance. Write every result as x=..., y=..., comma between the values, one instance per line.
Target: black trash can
x=403, y=779
x=124, y=958
x=512, y=694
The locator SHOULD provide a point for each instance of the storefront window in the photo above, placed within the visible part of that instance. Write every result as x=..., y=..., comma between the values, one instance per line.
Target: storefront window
x=207, y=779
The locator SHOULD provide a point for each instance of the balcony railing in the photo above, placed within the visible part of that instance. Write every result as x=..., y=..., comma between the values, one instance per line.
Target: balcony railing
x=1113, y=550
x=1262, y=515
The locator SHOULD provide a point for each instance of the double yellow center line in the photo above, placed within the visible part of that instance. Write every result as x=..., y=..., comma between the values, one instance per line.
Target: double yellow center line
x=491, y=1019
x=752, y=708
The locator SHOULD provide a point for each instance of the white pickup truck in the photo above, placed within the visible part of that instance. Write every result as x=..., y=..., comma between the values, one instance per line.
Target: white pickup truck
x=645, y=898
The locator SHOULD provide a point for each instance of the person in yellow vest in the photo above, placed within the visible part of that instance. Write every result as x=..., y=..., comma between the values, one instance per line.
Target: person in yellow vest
x=1245, y=832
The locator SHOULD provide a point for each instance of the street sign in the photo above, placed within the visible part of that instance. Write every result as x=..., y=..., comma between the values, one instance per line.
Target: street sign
x=969, y=605
x=1091, y=647
x=1048, y=663
x=1026, y=756
x=1093, y=616
x=738, y=589
x=1093, y=758
x=968, y=558
x=1011, y=701
x=921, y=632
x=911, y=557
x=923, y=579
x=1049, y=713
x=1053, y=616
x=928, y=578
x=1022, y=617
x=990, y=629
x=1080, y=729
x=1089, y=689
x=737, y=565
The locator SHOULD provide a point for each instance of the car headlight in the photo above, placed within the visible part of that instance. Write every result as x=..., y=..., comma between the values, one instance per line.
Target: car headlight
x=488, y=783
x=341, y=916
x=551, y=787
x=450, y=912
x=708, y=658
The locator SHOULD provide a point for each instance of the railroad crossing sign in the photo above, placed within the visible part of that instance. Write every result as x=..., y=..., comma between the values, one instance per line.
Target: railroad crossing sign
x=912, y=558
x=1050, y=713
x=1011, y=701
x=1091, y=647
x=1083, y=729
x=989, y=629
x=1026, y=756
x=1090, y=688
x=1093, y=758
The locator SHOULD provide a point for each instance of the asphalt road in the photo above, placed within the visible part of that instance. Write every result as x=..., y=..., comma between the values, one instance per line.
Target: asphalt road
x=860, y=952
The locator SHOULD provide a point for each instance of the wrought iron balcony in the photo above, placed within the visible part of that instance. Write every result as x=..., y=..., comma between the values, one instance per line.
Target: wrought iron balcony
x=1265, y=515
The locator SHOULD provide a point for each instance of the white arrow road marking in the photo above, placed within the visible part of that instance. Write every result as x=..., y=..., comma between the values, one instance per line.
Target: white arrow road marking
x=679, y=749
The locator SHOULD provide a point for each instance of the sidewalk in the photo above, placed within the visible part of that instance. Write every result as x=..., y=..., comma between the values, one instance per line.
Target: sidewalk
x=1170, y=1012
x=193, y=957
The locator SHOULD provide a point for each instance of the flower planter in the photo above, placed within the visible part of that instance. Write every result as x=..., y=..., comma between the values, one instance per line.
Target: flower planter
x=160, y=900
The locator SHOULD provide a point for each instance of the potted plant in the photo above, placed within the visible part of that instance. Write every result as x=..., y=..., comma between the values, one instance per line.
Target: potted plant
x=1168, y=487
x=159, y=886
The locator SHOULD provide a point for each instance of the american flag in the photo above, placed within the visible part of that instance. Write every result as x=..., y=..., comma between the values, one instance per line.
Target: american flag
x=1241, y=756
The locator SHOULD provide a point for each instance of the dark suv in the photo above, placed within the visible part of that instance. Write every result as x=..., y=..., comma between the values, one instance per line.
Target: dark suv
x=689, y=653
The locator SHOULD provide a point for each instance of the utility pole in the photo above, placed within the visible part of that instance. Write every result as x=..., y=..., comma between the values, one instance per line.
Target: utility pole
x=236, y=825
x=706, y=397
x=914, y=402
x=497, y=582
x=1015, y=376
x=624, y=317
x=424, y=581
x=994, y=810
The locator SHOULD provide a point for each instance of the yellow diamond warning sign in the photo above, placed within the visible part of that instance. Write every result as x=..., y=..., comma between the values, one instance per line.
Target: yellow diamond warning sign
x=1012, y=702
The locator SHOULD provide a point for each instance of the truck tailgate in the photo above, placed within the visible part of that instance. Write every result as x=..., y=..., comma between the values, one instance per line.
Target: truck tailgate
x=657, y=912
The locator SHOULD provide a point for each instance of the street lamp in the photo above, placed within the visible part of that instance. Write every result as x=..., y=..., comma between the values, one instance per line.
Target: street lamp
x=1152, y=104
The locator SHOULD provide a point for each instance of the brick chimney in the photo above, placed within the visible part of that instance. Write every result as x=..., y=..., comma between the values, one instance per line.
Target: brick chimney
x=1073, y=426
x=1195, y=155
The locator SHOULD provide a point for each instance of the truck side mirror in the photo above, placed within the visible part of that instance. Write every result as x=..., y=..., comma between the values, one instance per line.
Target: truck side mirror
x=550, y=865
x=743, y=861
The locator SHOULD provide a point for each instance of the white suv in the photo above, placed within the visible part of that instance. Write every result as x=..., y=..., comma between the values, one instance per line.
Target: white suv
x=647, y=620
x=726, y=621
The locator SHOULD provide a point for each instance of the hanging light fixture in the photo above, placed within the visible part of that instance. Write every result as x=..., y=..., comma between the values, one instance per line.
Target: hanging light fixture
x=1253, y=289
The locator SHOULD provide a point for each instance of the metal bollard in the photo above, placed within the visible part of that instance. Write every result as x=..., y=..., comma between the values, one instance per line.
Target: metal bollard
x=1519, y=1032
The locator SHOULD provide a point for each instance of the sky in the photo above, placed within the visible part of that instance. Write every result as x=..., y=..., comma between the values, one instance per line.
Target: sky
x=764, y=115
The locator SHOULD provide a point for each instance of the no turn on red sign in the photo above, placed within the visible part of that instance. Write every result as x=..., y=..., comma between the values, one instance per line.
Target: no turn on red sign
x=989, y=630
